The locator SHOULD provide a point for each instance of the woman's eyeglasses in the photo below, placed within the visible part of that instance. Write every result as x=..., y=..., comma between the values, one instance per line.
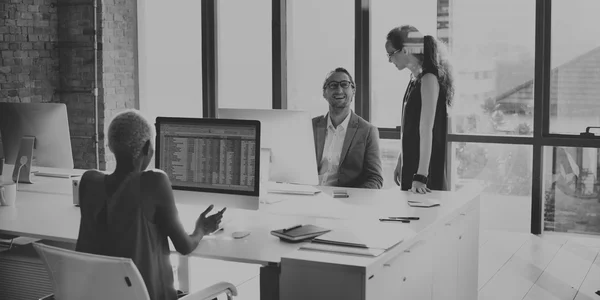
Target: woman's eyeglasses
x=332, y=85
x=389, y=55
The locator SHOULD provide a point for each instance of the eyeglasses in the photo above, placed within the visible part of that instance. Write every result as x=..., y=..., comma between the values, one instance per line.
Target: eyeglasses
x=389, y=55
x=332, y=85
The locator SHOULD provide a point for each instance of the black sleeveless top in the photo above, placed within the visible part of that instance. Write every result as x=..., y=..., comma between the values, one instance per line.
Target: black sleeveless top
x=411, y=118
x=122, y=225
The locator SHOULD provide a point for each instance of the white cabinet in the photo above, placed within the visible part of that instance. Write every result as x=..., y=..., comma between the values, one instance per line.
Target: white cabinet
x=445, y=261
x=406, y=276
x=468, y=257
x=441, y=263
x=456, y=259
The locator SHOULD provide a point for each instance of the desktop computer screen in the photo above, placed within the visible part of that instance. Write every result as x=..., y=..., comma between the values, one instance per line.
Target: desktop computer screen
x=289, y=136
x=47, y=122
x=209, y=155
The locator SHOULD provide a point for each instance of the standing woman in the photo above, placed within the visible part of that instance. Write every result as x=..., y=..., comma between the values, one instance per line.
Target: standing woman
x=421, y=165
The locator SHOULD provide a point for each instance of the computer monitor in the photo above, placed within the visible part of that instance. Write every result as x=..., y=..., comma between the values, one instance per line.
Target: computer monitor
x=219, y=158
x=289, y=136
x=47, y=122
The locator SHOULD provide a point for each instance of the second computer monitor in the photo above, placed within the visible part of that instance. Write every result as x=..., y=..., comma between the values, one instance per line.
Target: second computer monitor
x=47, y=122
x=289, y=136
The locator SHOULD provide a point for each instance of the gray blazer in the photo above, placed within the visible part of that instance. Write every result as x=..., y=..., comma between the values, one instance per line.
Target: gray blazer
x=360, y=161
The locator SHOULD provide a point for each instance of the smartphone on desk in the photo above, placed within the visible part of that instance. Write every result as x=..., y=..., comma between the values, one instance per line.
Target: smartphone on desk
x=340, y=194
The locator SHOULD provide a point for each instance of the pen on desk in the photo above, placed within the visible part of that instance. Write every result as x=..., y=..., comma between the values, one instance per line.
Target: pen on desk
x=405, y=218
x=395, y=220
x=291, y=228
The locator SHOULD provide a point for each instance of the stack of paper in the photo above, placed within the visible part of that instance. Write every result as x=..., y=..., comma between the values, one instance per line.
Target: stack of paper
x=361, y=242
x=423, y=202
x=294, y=189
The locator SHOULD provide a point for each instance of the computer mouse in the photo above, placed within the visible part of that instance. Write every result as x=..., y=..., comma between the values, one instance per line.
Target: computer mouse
x=240, y=234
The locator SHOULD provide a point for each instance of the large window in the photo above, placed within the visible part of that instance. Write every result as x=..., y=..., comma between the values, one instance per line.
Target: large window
x=505, y=171
x=572, y=190
x=575, y=76
x=170, y=65
x=244, y=45
x=494, y=66
x=320, y=39
x=494, y=69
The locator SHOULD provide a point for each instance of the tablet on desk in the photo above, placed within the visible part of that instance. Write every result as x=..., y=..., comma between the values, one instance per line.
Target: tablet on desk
x=299, y=233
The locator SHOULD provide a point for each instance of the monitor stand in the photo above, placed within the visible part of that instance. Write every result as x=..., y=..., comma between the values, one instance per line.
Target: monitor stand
x=22, y=170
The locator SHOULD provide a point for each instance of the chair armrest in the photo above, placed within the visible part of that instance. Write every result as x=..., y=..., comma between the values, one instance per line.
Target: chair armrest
x=48, y=297
x=212, y=292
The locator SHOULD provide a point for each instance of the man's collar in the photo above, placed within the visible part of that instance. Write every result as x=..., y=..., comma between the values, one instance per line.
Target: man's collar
x=344, y=123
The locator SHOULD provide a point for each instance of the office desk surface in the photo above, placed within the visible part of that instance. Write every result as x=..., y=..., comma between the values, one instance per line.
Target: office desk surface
x=46, y=211
x=42, y=184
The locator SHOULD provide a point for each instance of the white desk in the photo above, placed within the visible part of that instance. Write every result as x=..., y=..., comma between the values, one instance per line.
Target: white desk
x=444, y=241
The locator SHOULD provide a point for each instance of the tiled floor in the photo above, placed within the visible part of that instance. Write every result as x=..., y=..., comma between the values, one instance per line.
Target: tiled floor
x=524, y=266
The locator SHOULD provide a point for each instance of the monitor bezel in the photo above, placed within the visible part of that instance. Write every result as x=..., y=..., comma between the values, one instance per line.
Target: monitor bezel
x=211, y=121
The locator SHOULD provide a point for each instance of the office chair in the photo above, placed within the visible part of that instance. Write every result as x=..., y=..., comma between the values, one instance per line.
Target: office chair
x=77, y=275
x=7, y=240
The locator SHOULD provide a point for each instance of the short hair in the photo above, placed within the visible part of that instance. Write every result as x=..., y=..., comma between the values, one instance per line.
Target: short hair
x=128, y=132
x=338, y=70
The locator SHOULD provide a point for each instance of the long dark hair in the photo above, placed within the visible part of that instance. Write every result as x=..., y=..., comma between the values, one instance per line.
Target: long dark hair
x=434, y=58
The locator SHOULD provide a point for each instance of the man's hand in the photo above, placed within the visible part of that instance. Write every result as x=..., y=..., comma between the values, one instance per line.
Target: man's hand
x=209, y=224
x=398, y=171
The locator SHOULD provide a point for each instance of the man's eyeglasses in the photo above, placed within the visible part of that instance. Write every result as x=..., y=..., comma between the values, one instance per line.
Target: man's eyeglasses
x=332, y=85
x=389, y=55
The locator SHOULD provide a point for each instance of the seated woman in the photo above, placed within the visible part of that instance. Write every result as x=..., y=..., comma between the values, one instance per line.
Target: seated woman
x=131, y=212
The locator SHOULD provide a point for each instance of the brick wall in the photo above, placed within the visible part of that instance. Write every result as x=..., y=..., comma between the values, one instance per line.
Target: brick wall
x=119, y=42
x=28, y=54
x=47, y=55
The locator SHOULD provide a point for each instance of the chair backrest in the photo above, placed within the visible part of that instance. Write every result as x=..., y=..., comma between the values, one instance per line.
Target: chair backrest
x=77, y=275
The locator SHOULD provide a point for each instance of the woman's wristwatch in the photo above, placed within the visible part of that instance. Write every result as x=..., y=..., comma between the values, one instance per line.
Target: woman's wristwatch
x=420, y=178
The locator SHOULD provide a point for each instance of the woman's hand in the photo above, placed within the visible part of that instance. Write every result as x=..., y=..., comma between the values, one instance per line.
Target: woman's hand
x=209, y=224
x=398, y=171
x=419, y=188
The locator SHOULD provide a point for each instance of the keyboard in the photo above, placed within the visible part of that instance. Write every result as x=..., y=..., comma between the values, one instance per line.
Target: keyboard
x=56, y=174
x=53, y=172
x=294, y=189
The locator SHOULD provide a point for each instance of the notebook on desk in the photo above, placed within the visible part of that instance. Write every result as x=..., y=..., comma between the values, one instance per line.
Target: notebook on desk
x=301, y=233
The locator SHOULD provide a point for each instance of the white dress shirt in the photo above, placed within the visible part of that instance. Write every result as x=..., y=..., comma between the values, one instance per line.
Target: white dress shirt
x=332, y=150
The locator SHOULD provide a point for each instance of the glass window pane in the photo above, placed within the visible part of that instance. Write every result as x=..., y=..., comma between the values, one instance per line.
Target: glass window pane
x=171, y=66
x=245, y=63
x=505, y=171
x=320, y=39
x=571, y=190
x=389, y=149
x=387, y=83
x=494, y=66
x=575, y=63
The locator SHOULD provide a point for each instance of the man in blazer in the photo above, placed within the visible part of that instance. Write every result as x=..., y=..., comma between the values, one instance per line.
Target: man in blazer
x=346, y=145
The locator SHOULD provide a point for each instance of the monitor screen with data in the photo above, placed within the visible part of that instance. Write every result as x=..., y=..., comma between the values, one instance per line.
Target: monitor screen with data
x=209, y=155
